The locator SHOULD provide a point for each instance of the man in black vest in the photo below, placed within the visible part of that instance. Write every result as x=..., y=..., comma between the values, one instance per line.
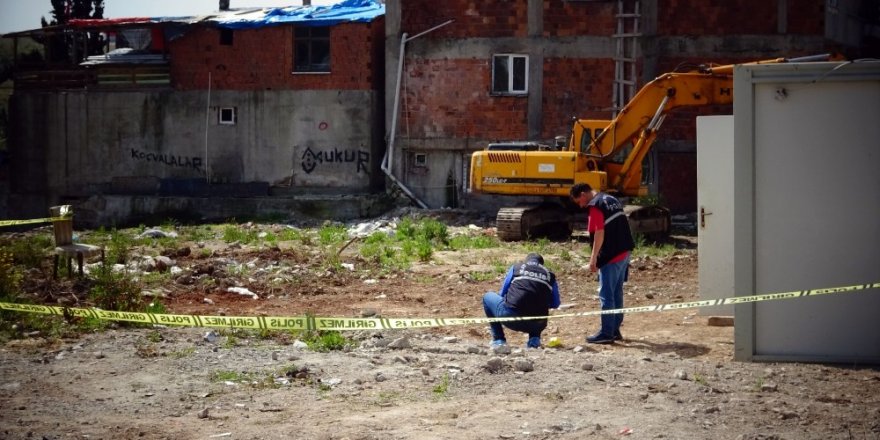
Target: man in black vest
x=529, y=289
x=612, y=243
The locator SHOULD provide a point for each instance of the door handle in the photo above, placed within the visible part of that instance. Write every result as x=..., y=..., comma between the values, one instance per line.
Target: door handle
x=703, y=215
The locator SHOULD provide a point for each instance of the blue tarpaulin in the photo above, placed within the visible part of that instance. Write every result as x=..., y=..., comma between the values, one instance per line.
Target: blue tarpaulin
x=347, y=11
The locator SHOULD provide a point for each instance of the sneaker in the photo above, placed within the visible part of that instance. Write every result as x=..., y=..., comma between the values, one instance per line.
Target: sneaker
x=600, y=338
x=534, y=342
x=498, y=343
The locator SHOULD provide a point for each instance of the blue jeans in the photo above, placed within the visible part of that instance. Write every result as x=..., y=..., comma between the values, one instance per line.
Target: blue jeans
x=611, y=278
x=493, y=305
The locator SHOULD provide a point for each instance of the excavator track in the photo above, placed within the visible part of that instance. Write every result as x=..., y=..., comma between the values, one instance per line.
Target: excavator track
x=521, y=222
x=508, y=223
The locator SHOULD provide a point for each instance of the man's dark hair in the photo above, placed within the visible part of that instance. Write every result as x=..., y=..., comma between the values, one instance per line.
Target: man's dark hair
x=579, y=188
x=535, y=257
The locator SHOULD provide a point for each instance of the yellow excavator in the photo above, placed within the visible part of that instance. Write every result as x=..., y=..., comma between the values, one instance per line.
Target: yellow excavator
x=606, y=154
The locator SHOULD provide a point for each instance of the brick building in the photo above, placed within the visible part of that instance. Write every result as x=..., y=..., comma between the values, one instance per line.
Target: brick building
x=242, y=103
x=561, y=56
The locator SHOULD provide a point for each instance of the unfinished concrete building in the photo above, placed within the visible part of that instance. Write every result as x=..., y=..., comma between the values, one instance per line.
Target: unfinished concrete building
x=472, y=73
x=206, y=117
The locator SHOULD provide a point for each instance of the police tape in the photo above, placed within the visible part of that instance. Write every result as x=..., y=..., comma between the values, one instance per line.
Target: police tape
x=4, y=223
x=308, y=322
x=62, y=212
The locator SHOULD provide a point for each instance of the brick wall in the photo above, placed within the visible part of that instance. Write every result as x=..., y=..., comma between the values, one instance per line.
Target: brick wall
x=806, y=17
x=490, y=19
x=716, y=17
x=575, y=87
x=565, y=18
x=732, y=17
x=473, y=18
x=262, y=59
x=450, y=98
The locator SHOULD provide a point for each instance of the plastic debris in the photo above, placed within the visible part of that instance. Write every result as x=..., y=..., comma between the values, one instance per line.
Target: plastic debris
x=157, y=233
x=242, y=291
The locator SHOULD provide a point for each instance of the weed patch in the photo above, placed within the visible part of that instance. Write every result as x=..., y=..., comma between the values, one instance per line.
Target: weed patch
x=479, y=276
x=441, y=388
x=30, y=251
x=325, y=341
x=643, y=248
x=460, y=242
x=116, y=291
x=234, y=233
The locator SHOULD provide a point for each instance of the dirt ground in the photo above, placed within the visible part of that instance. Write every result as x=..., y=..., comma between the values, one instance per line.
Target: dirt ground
x=672, y=376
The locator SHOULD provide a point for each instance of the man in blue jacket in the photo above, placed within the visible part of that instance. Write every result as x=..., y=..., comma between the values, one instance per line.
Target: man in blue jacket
x=529, y=289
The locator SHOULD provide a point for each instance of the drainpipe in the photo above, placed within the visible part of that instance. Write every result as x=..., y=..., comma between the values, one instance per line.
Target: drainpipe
x=207, y=125
x=389, y=152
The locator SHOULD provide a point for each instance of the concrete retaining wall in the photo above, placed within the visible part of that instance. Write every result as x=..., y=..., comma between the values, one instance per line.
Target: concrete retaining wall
x=77, y=144
x=112, y=210
x=81, y=143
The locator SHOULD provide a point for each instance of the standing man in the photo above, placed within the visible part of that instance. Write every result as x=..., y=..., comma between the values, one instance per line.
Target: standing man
x=529, y=289
x=612, y=243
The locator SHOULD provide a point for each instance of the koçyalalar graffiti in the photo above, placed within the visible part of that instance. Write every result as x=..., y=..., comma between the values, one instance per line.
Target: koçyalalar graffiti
x=194, y=162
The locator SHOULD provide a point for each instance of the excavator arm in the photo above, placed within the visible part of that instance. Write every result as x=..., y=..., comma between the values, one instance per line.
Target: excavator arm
x=607, y=155
x=640, y=119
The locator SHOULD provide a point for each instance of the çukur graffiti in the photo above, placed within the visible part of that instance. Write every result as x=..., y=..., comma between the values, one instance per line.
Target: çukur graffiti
x=311, y=159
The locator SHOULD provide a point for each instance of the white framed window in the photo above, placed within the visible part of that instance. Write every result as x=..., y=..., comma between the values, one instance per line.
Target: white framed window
x=421, y=160
x=510, y=74
x=227, y=116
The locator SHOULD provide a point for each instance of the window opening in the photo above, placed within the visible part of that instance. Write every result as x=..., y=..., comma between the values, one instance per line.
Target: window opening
x=311, y=49
x=510, y=74
x=228, y=116
x=226, y=37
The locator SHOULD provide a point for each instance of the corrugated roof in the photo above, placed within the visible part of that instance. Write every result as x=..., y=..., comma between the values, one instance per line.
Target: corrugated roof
x=347, y=11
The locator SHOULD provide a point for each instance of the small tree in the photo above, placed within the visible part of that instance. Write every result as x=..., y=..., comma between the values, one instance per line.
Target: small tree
x=61, y=46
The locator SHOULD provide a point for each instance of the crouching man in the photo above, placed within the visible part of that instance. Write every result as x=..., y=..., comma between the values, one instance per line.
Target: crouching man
x=529, y=289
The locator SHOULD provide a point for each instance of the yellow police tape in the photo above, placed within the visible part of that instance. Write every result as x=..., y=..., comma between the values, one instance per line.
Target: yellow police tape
x=65, y=212
x=327, y=323
x=31, y=221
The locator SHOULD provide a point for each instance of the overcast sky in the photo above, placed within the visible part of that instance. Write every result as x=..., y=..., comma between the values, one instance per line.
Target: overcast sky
x=20, y=15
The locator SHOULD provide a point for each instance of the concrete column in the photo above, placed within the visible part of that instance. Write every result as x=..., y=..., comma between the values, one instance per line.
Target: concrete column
x=781, y=16
x=536, y=18
x=392, y=51
x=536, y=92
x=648, y=24
x=536, y=69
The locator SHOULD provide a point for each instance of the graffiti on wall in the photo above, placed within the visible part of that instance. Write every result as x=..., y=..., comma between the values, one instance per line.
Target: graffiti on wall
x=172, y=160
x=311, y=159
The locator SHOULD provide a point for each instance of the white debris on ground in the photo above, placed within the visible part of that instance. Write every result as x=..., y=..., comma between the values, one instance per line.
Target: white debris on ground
x=243, y=292
x=458, y=221
x=366, y=229
x=157, y=233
